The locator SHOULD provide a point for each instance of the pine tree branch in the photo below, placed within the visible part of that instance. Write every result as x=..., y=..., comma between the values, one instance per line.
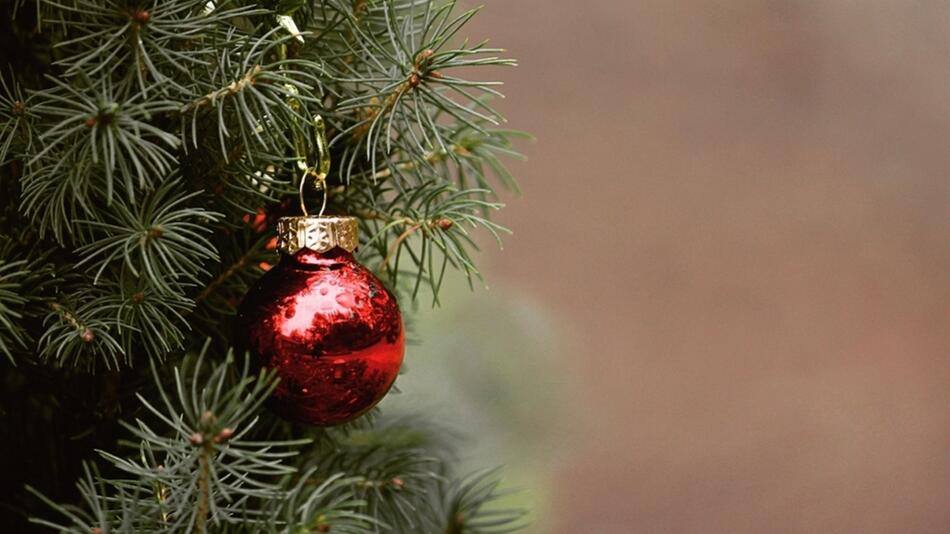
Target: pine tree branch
x=234, y=268
x=430, y=158
x=412, y=227
x=11, y=306
x=204, y=490
x=161, y=122
x=230, y=90
x=411, y=81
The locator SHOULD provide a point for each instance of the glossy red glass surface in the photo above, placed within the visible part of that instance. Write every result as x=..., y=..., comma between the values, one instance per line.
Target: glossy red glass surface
x=330, y=329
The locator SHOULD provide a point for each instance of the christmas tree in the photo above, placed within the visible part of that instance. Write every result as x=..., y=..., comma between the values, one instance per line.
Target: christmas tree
x=147, y=151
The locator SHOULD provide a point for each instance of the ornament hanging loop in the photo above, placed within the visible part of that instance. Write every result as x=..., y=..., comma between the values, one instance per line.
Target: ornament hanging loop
x=319, y=171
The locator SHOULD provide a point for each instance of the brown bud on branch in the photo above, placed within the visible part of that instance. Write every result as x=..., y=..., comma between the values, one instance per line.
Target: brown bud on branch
x=224, y=435
x=140, y=16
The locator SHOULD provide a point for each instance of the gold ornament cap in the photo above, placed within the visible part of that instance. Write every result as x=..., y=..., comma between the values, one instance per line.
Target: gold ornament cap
x=317, y=233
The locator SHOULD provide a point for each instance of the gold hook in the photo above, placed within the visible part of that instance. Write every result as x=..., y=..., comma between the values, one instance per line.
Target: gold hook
x=323, y=169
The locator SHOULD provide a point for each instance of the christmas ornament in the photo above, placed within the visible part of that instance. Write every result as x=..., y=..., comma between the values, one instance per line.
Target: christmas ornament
x=328, y=327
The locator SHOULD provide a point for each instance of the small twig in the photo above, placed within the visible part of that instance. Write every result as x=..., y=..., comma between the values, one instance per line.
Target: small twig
x=205, y=453
x=395, y=246
x=434, y=156
x=204, y=475
x=360, y=131
x=442, y=223
x=85, y=332
x=231, y=89
x=413, y=80
x=65, y=314
x=371, y=215
x=235, y=267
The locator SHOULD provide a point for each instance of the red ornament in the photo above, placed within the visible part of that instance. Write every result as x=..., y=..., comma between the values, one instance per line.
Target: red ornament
x=327, y=325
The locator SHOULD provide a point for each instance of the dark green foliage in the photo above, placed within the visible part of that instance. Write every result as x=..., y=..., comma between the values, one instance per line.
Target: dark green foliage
x=11, y=301
x=159, y=240
x=147, y=148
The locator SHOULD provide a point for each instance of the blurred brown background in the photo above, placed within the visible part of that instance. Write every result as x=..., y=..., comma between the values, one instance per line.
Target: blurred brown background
x=737, y=212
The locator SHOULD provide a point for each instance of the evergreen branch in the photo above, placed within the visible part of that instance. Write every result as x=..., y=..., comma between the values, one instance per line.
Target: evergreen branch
x=411, y=226
x=266, y=100
x=204, y=464
x=24, y=280
x=242, y=262
x=438, y=212
x=392, y=471
x=329, y=506
x=95, y=127
x=397, y=101
x=160, y=240
x=56, y=192
x=16, y=118
x=229, y=90
x=102, y=512
x=210, y=466
x=145, y=320
x=11, y=304
x=469, y=507
x=430, y=158
x=238, y=272
x=154, y=46
x=81, y=329
x=206, y=452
